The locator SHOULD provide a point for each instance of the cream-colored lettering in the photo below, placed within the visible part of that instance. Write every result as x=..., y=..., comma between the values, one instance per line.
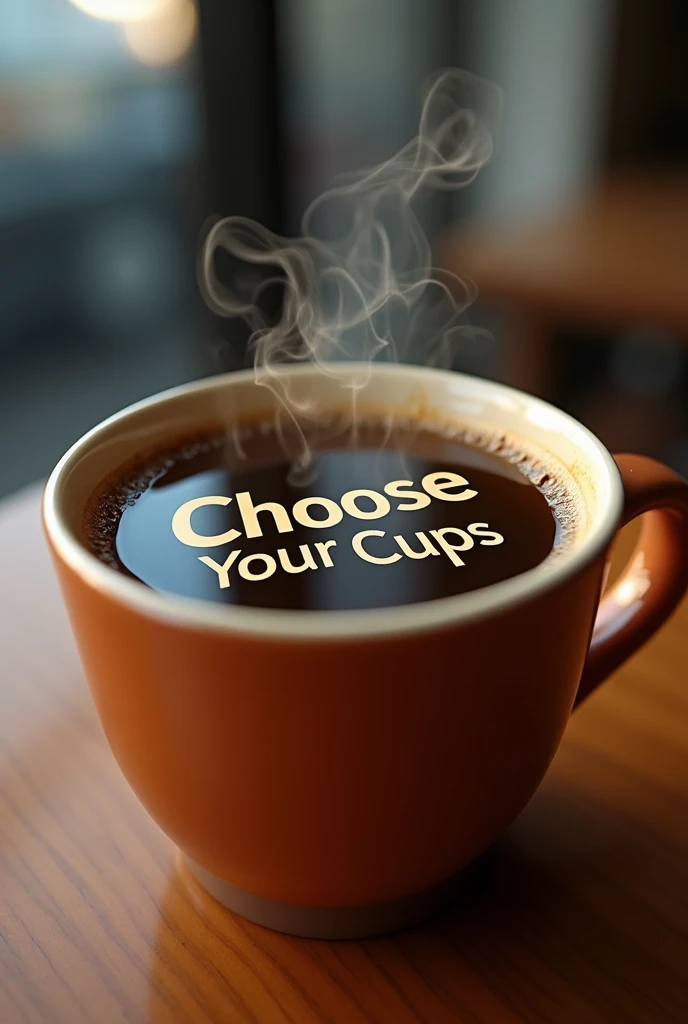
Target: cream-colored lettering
x=428, y=547
x=249, y=515
x=394, y=489
x=437, y=485
x=183, y=530
x=451, y=549
x=288, y=566
x=221, y=570
x=477, y=530
x=302, y=515
x=322, y=548
x=349, y=505
x=245, y=567
x=357, y=545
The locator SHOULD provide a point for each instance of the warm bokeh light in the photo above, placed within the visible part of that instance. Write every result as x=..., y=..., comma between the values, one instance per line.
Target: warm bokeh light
x=164, y=38
x=123, y=10
x=635, y=583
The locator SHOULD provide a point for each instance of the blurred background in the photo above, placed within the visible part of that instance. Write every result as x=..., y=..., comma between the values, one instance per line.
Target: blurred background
x=126, y=124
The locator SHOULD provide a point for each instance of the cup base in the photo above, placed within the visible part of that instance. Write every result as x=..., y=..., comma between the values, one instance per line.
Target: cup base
x=331, y=922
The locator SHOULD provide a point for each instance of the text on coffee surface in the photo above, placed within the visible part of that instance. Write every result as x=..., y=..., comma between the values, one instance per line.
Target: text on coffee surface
x=320, y=513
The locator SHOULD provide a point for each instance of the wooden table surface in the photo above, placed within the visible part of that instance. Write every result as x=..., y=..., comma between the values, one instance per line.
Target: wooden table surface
x=617, y=259
x=579, y=915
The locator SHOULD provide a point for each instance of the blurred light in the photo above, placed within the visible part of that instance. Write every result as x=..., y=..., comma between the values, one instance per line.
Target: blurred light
x=647, y=363
x=129, y=272
x=164, y=38
x=122, y=10
x=59, y=113
x=634, y=584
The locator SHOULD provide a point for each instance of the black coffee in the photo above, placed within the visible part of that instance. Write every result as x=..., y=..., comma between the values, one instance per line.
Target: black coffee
x=385, y=518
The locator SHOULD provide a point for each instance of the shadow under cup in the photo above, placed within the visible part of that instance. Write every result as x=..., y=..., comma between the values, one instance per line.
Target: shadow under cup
x=330, y=773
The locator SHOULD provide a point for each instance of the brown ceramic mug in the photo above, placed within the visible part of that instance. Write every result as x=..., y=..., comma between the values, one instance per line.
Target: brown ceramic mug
x=329, y=773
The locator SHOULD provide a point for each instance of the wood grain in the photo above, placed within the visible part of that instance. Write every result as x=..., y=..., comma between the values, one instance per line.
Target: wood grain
x=578, y=916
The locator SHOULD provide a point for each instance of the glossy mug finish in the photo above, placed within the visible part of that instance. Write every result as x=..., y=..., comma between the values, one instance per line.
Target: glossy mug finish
x=330, y=773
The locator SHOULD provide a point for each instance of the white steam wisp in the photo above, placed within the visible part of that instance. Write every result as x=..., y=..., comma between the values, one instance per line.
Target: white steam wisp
x=371, y=289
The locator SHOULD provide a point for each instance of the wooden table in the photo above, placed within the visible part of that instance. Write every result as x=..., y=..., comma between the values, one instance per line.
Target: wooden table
x=615, y=261
x=579, y=916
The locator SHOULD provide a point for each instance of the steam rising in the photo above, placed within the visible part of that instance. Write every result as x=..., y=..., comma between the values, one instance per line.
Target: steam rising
x=368, y=289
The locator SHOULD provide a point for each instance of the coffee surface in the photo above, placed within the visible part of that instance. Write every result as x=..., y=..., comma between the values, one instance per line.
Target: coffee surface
x=378, y=520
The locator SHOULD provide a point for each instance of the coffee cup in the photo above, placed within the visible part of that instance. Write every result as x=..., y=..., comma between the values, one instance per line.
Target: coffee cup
x=333, y=773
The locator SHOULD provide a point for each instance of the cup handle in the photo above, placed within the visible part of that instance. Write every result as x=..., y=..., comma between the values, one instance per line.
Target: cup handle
x=656, y=576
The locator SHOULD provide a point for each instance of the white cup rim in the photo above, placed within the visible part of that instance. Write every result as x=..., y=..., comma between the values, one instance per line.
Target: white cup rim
x=299, y=625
